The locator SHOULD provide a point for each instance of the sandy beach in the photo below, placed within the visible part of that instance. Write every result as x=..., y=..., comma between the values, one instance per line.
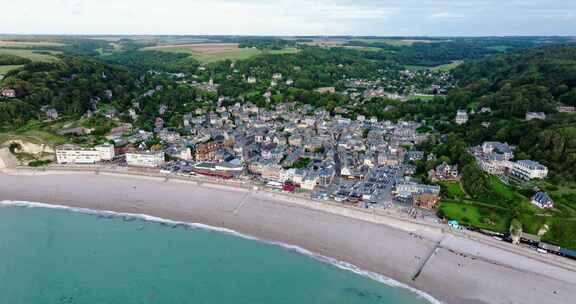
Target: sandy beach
x=449, y=267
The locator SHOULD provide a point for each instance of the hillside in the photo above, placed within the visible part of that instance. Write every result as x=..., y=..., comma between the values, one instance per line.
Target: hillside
x=529, y=80
x=512, y=84
x=71, y=86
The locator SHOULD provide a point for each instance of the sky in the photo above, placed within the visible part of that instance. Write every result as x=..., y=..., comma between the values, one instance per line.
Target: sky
x=291, y=17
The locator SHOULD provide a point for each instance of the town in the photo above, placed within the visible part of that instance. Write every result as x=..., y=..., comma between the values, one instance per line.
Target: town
x=295, y=148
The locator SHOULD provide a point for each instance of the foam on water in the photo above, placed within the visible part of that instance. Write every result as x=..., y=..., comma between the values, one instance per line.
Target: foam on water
x=130, y=216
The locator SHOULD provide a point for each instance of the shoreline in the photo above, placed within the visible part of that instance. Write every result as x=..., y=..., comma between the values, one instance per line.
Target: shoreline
x=449, y=267
x=324, y=259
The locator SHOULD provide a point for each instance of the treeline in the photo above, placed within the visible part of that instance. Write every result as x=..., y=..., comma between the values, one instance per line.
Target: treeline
x=266, y=43
x=154, y=60
x=427, y=54
x=435, y=52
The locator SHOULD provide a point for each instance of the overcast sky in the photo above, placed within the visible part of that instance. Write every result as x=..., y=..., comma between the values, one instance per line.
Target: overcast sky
x=290, y=17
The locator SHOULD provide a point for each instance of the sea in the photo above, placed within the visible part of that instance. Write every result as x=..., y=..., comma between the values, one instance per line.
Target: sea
x=55, y=254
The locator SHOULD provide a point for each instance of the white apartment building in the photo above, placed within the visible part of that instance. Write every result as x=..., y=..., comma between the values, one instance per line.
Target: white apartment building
x=461, y=117
x=529, y=169
x=535, y=115
x=71, y=154
x=146, y=159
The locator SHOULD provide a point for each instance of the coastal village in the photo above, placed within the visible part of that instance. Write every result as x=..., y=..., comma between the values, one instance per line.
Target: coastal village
x=339, y=156
x=296, y=148
x=363, y=163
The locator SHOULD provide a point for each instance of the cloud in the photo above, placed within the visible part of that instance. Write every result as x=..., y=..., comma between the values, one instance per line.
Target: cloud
x=291, y=17
x=446, y=16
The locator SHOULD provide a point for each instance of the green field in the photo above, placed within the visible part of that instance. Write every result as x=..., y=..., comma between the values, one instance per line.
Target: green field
x=239, y=54
x=495, y=212
x=422, y=97
x=28, y=43
x=33, y=136
x=205, y=54
x=448, y=67
x=31, y=54
x=470, y=214
x=7, y=68
x=453, y=189
x=441, y=68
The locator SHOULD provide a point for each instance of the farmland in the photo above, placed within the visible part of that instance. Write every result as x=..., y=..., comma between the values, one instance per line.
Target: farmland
x=213, y=52
x=44, y=56
x=7, y=68
x=448, y=67
x=337, y=42
x=28, y=43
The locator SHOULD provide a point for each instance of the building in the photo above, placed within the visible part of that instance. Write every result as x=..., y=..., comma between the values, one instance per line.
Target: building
x=149, y=159
x=158, y=124
x=222, y=170
x=70, y=154
x=8, y=93
x=416, y=189
x=566, y=109
x=444, y=172
x=179, y=152
x=535, y=115
x=529, y=169
x=51, y=113
x=326, y=90
x=310, y=182
x=494, y=147
x=542, y=201
x=461, y=117
x=425, y=201
x=207, y=151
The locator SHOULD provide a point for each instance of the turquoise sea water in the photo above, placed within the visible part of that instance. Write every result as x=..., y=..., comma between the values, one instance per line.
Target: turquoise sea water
x=58, y=256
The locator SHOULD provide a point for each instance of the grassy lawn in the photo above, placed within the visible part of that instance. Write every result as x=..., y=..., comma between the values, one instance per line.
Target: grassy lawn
x=282, y=51
x=453, y=189
x=448, y=67
x=496, y=213
x=35, y=132
x=441, y=68
x=33, y=136
x=422, y=97
x=470, y=214
x=504, y=190
x=31, y=54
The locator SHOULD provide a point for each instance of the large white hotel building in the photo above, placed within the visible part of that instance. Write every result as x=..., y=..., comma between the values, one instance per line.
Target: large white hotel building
x=146, y=159
x=71, y=154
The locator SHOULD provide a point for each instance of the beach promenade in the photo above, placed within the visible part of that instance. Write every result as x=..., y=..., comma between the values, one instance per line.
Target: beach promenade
x=451, y=266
